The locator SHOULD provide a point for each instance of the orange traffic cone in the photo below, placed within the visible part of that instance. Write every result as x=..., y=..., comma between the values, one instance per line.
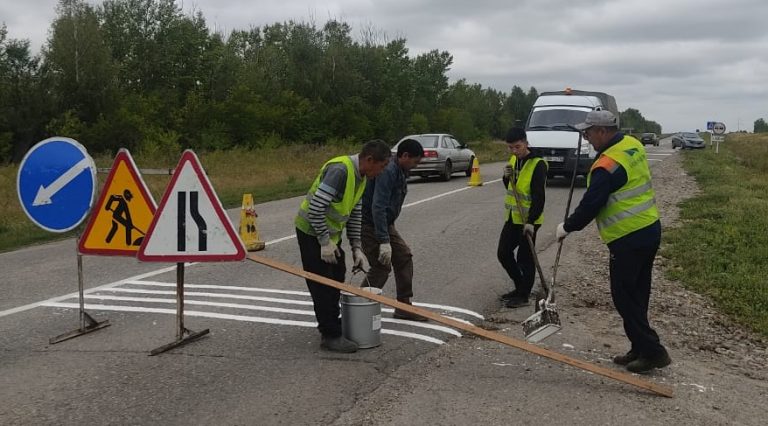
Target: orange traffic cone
x=248, y=232
x=475, y=179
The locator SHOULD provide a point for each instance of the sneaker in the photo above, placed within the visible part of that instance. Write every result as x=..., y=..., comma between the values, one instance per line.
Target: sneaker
x=338, y=344
x=517, y=302
x=405, y=315
x=509, y=295
x=643, y=364
x=626, y=358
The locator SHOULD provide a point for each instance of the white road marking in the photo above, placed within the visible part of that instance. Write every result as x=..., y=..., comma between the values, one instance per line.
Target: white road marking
x=101, y=287
x=291, y=292
x=225, y=316
x=654, y=159
x=262, y=308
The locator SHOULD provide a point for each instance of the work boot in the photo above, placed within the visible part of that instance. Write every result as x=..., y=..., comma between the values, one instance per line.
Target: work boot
x=405, y=315
x=517, y=302
x=508, y=295
x=626, y=358
x=338, y=344
x=643, y=364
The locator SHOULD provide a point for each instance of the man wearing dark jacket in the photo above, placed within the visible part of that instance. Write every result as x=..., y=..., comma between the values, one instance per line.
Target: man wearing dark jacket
x=620, y=198
x=527, y=174
x=382, y=244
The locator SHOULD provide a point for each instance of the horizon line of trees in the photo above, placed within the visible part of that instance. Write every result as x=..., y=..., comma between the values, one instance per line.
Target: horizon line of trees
x=143, y=75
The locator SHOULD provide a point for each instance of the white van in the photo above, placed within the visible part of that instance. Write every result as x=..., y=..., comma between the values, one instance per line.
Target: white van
x=550, y=130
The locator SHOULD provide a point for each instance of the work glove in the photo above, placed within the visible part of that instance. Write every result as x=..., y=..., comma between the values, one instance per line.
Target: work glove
x=508, y=171
x=359, y=261
x=329, y=253
x=528, y=229
x=561, y=233
x=385, y=253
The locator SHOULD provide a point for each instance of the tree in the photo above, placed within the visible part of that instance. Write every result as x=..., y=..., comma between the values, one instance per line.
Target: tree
x=760, y=126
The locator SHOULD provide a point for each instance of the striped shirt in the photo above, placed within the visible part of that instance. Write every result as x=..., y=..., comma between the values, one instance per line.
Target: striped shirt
x=331, y=189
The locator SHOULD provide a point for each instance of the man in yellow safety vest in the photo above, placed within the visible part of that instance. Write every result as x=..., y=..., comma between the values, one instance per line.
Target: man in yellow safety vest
x=620, y=198
x=526, y=172
x=332, y=204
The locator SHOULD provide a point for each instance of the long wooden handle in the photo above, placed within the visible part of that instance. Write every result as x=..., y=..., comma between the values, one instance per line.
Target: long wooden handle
x=515, y=343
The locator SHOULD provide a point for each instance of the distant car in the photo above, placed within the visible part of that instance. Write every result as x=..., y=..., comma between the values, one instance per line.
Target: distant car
x=443, y=156
x=688, y=140
x=649, y=139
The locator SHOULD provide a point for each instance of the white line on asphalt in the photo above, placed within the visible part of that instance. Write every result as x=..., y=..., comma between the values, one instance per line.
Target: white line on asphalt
x=269, y=290
x=444, y=194
x=651, y=153
x=262, y=308
x=101, y=287
x=225, y=316
x=654, y=159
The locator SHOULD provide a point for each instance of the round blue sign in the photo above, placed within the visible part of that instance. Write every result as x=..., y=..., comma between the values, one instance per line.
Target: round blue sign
x=56, y=184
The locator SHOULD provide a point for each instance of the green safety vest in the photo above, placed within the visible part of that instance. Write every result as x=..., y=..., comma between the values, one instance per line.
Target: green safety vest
x=633, y=206
x=338, y=213
x=523, y=190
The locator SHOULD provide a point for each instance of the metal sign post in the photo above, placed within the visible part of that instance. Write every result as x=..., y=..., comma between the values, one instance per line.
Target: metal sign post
x=87, y=323
x=190, y=225
x=718, y=135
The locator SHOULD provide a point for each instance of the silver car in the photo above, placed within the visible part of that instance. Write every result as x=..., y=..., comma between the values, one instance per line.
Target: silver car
x=688, y=140
x=443, y=156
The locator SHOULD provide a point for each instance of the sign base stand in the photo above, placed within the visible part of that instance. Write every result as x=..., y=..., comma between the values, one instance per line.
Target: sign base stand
x=183, y=336
x=93, y=325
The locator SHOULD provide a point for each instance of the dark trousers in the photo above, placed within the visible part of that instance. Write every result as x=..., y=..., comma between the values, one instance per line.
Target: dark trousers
x=402, y=261
x=324, y=298
x=520, y=267
x=631, y=292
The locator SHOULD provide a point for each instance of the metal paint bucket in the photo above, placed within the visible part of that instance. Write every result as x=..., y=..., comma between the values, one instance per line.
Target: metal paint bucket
x=361, y=319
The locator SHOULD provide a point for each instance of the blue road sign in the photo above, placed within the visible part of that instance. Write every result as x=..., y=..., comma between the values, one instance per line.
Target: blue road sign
x=56, y=184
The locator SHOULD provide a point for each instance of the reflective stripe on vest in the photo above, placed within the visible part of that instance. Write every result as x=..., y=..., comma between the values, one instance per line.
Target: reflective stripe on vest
x=633, y=206
x=523, y=190
x=338, y=213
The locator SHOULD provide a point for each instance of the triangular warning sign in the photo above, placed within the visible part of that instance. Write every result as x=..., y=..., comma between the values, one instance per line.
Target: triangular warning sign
x=120, y=219
x=190, y=224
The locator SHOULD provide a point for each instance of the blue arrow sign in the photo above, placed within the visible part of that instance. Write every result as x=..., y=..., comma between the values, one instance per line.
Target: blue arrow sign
x=56, y=184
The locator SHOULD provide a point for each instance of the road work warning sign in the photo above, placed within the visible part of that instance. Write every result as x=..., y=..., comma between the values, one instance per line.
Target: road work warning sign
x=120, y=219
x=190, y=224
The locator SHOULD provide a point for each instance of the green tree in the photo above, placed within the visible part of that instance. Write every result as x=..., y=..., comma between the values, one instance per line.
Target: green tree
x=760, y=126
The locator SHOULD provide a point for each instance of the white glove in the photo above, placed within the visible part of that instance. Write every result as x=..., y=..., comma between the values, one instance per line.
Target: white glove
x=528, y=229
x=385, y=253
x=329, y=253
x=359, y=261
x=508, y=171
x=561, y=233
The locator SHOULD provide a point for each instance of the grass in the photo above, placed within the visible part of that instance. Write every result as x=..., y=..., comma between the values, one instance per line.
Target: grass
x=721, y=249
x=268, y=174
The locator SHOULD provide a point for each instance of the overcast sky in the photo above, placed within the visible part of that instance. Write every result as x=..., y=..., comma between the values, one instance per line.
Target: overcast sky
x=680, y=62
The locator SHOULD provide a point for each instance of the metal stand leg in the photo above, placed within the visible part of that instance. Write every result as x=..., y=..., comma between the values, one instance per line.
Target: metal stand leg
x=92, y=324
x=183, y=336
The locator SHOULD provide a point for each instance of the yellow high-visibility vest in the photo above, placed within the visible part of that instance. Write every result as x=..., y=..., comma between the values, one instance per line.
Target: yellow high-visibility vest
x=633, y=206
x=523, y=186
x=338, y=213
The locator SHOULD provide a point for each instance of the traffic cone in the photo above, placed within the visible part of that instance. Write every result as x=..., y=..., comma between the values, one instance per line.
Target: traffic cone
x=248, y=232
x=475, y=179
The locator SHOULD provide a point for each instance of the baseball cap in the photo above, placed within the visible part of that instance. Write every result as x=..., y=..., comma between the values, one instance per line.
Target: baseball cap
x=600, y=118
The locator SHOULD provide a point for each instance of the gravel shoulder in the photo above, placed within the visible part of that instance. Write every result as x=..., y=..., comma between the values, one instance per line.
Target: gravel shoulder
x=718, y=373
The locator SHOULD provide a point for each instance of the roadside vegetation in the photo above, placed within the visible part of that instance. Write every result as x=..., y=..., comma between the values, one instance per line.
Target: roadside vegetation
x=268, y=174
x=721, y=249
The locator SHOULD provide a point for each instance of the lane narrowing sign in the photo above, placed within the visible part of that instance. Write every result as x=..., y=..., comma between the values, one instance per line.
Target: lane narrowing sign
x=190, y=224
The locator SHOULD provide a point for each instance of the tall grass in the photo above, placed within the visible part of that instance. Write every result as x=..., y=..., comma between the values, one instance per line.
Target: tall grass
x=268, y=174
x=721, y=249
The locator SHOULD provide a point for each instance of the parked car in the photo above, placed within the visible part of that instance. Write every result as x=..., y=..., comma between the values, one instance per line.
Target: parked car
x=443, y=156
x=649, y=139
x=685, y=140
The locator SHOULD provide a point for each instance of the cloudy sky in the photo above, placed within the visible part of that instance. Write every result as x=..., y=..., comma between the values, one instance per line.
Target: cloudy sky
x=680, y=62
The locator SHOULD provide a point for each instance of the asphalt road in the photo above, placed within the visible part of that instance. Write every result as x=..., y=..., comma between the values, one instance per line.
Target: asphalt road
x=261, y=363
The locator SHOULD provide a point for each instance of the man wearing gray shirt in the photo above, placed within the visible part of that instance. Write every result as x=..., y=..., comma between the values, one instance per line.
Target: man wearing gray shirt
x=331, y=205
